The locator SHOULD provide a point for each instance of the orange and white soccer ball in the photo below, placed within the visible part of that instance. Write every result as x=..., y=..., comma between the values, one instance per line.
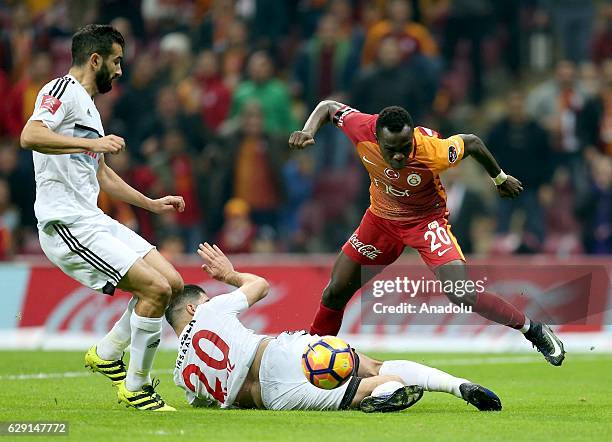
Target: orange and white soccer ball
x=328, y=362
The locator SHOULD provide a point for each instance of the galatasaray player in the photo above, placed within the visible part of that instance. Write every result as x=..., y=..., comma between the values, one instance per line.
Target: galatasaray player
x=408, y=208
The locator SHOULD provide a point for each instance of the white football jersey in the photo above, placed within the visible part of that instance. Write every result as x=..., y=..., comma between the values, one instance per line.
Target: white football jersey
x=216, y=352
x=66, y=185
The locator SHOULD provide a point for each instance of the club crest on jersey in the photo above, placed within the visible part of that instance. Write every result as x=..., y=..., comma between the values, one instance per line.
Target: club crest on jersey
x=392, y=174
x=50, y=103
x=453, y=154
x=414, y=179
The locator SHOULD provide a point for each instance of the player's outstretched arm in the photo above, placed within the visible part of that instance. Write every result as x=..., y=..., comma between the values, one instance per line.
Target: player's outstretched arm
x=36, y=136
x=114, y=185
x=322, y=114
x=219, y=267
x=507, y=185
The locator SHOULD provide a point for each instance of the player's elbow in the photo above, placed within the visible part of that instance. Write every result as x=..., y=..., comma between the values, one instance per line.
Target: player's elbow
x=26, y=140
x=472, y=143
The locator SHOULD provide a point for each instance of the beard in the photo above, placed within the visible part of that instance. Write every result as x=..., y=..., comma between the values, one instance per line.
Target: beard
x=104, y=81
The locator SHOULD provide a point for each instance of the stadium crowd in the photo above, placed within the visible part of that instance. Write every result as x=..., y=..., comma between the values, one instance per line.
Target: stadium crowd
x=211, y=90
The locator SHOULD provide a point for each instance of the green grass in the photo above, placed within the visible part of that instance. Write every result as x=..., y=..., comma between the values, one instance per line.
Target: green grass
x=540, y=402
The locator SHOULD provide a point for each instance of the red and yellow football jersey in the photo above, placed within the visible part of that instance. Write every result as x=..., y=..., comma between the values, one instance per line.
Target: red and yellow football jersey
x=415, y=191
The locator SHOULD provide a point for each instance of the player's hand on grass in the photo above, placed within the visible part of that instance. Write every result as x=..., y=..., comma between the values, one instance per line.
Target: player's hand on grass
x=109, y=144
x=216, y=263
x=300, y=140
x=167, y=204
x=511, y=188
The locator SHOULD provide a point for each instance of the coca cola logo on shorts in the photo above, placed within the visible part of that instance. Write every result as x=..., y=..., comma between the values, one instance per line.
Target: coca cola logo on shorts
x=368, y=250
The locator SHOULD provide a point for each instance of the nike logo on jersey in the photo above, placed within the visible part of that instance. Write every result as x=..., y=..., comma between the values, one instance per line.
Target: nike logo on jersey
x=368, y=161
x=442, y=252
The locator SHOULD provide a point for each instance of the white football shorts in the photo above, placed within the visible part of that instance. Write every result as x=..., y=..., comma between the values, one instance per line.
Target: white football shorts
x=96, y=251
x=283, y=384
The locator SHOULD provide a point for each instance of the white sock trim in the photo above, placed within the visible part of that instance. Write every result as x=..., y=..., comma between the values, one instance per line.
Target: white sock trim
x=526, y=325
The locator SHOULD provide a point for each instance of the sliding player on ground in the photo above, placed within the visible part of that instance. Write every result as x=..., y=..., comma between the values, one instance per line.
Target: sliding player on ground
x=222, y=363
x=408, y=208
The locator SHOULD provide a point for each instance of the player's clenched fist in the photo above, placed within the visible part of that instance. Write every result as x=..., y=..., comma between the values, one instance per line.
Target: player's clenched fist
x=300, y=139
x=511, y=188
x=108, y=144
x=167, y=204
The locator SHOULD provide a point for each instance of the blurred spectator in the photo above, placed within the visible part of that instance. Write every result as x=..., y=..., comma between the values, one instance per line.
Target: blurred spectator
x=521, y=147
x=22, y=96
x=138, y=100
x=175, y=168
x=175, y=57
x=388, y=83
x=238, y=232
x=9, y=222
x=298, y=180
x=573, y=24
x=235, y=54
x=16, y=168
x=469, y=20
x=595, y=120
x=170, y=115
x=595, y=208
x=602, y=40
x=255, y=172
x=558, y=200
x=172, y=248
x=412, y=38
x=271, y=93
x=555, y=105
x=323, y=64
x=214, y=96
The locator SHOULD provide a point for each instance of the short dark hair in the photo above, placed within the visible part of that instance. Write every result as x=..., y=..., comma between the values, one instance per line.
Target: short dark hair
x=190, y=293
x=94, y=39
x=394, y=118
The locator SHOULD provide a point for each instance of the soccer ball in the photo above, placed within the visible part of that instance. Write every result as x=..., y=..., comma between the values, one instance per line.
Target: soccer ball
x=328, y=362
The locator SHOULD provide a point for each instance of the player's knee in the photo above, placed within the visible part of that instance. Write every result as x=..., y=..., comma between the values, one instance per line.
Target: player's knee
x=176, y=283
x=159, y=292
x=465, y=299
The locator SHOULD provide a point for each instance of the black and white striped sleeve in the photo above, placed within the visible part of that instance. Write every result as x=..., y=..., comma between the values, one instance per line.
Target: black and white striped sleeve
x=54, y=103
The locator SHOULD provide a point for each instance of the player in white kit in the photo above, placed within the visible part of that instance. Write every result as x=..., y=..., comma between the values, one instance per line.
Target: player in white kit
x=222, y=363
x=68, y=142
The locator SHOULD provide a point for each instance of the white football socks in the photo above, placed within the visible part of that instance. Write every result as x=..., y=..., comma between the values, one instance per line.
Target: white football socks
x=526, y=325
x=431, y=379
x=112, y=346
x=146, y=334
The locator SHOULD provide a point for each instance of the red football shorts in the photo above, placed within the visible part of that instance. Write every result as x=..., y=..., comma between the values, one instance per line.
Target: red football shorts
x=380, y=241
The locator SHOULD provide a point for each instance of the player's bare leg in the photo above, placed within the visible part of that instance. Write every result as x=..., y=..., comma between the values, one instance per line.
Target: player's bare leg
x=106, y=356
x=153, y=292
x=431, y=379
x=347, y=277
x=497, y=309
x=167, y=270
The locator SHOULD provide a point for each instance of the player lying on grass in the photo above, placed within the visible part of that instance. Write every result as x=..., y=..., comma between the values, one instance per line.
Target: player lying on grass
x=222, y=363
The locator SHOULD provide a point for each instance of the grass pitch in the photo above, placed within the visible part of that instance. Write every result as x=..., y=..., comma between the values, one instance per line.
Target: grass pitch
x=541, y=402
